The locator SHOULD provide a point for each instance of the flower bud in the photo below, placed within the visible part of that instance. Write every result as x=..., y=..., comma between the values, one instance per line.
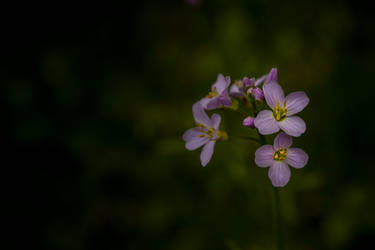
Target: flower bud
x=249, y=122
x=248, y=82
x=257, y=93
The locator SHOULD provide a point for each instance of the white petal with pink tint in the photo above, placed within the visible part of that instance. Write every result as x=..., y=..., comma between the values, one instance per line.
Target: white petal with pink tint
x=297, y=158
x=296, y=102
x=207, y=152
x=200, y=115
x=264, y=156
x=293, y=125
x=266, y=123
x=282, y=140
x=279, y=173
x=273, y=93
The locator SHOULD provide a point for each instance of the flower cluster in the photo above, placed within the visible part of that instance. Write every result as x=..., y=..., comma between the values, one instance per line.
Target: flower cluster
x=253, y=93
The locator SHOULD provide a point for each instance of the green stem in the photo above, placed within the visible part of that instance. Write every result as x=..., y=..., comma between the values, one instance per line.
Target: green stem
x=278, y=230
x=254, y=105
x=279, y=239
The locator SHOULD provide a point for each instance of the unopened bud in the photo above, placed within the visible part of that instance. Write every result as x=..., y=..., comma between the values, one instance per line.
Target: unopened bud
x=249, y=122
x=257, y=93
x=248, y=82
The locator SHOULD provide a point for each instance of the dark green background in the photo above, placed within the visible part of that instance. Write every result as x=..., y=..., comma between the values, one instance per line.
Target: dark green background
x=96, y=99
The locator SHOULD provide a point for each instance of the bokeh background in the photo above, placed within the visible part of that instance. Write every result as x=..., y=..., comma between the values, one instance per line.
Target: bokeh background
x=96, y=99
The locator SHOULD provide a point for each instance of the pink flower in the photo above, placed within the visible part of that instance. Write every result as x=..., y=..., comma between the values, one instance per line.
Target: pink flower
x=278, y=157
x=219, y=94
x=206, y=133
x=283, y=110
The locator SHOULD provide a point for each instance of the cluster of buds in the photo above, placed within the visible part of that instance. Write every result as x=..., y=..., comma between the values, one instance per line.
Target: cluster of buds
x=253, y=94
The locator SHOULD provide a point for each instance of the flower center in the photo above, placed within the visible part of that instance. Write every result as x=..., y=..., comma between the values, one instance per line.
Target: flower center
x=279, y=113
x=213, y=93
x=238, y=83
x=206, y=131
x=280, y=154
x=221, y=135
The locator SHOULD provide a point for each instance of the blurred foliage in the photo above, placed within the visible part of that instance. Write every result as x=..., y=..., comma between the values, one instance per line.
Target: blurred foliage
x=96, y=108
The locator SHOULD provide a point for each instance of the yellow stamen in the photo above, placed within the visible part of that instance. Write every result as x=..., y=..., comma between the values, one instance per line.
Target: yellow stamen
x=280, y=154
x=279, y=113
x=201, y=125
x=212, y=93
x=220, y=135
x=210, y=132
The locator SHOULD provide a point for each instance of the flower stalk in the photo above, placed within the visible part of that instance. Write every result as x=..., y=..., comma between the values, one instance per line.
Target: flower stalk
x=278, y=222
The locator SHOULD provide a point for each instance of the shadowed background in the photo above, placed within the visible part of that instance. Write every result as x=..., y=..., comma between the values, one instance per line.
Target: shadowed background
x=97, y=98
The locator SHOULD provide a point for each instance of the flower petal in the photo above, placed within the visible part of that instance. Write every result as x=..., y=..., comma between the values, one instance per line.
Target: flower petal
x=272, y=76
x=282, y=140
x=273, y=93
x=260, y=80
x=266, y=123
x=213, y=103
x=200, y=115
x=279, y=173
x=225, y=99
x=207, y=152
x=191, y=134
x=296, y=102
x=293, y=125
x=204, y=101
x=196, y=142
x=215, y=121
x=297, y=157
x=248, y=82
x=264, y=156
x=235, y=91
x=221, y=83
x=227, y=78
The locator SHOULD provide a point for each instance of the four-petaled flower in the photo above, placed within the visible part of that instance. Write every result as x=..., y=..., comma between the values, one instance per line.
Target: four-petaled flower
x=283, y=109
x=278, y=157
x=206, y=133
x=218, y=95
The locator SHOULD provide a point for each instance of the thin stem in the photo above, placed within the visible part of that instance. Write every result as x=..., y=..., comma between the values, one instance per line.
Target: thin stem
x=254, y=104
x=279, y=239
x=278, y=230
